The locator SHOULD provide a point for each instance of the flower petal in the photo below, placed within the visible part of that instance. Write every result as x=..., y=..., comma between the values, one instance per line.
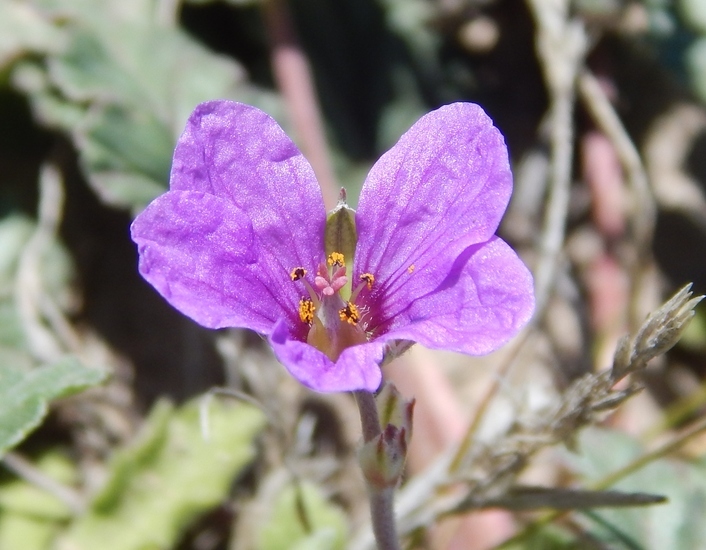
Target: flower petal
x=201, y=253
x=356, y=369
x=239, y=153
x=475, y=307
x=443, y=187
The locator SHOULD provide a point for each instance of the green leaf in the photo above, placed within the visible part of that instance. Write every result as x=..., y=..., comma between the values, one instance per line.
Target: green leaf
x=98, y=13
x=168, y=478
x=123, y=86
x=132, y=142
x=133, y=188
x=25, y=394
x=668, y=525
x=87, y=71
x=142, y=81
x=303, y=519
x=23, y=29
x=18, y=496
x=26, y=532
x=30, y=518
x=12, y=337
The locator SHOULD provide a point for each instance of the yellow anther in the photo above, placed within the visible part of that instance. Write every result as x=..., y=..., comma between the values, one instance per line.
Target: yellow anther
x=349, y=314
x=297, y=273
x=306, y=310
x=369, y=279
x=410, y=269
x=336, y=259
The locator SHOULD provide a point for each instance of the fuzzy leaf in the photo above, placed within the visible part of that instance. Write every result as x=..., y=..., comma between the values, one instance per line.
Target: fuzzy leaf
x=25, y=394
x=655, y=527
x=169, y=477
x=21, y=497
x=30, y=517
x=23, y=30
x=285, y=528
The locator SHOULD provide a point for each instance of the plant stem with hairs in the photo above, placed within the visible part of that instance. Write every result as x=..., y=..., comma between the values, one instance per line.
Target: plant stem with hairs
x=381, y=498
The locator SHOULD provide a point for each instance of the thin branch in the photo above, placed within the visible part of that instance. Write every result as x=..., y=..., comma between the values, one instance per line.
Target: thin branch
x=28, y=281
x=605, y=117
x=561, y=45
x=485, y=402
x=495, y=465
x=644, y=212
x=611, y=479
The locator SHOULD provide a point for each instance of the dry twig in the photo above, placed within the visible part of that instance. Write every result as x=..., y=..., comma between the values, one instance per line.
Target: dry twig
x=561, y=45
x=489, y=472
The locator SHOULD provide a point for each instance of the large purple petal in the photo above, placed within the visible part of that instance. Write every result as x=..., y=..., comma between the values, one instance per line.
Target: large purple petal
x=443, y=187
x=475, y=307
x=356, y=369
x=201, y=253
x=239, y=153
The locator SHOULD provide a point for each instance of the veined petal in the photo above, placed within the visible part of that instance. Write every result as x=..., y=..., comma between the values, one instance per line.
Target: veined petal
x=356, y=369
x=481, y=302
x=240, y=154
x=201, y=253
x=443, y=187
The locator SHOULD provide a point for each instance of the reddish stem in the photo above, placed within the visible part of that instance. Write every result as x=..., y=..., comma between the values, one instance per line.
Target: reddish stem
x=293, y=77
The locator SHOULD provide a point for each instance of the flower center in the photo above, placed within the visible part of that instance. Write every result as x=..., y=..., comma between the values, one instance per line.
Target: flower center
x=334, y=323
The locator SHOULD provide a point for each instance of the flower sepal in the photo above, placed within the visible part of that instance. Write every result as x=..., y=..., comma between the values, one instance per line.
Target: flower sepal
x=383, y=458
x=395, y=409
x=394, y=349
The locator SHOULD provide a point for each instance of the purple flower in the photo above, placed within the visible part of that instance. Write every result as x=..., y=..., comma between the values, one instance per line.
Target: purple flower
x=239, y=241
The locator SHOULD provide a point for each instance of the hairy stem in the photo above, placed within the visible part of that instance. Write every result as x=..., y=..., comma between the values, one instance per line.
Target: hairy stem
x=381, y=500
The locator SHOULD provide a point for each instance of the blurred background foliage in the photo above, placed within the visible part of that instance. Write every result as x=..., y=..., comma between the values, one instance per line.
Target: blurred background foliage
x=93, y=95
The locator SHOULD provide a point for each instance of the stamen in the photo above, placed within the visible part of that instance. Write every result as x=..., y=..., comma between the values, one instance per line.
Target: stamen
x=369, y=279
x=297, y=273
x=336, y=259
x=306, y=310
x=350, y=314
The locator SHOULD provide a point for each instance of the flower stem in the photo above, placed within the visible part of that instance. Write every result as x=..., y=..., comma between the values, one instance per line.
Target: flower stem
x=368, y=415
x=381, y=500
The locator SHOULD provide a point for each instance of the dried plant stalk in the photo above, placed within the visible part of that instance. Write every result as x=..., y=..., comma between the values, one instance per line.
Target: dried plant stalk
x=489, y=471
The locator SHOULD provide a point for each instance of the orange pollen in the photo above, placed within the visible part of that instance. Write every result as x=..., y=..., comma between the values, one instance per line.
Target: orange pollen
x=297, y=273
x=306, y=310
x=350, y=314
x=336, y=259
x=369, y=279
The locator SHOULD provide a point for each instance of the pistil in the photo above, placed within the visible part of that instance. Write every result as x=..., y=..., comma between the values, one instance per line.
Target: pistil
x=333, y=322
